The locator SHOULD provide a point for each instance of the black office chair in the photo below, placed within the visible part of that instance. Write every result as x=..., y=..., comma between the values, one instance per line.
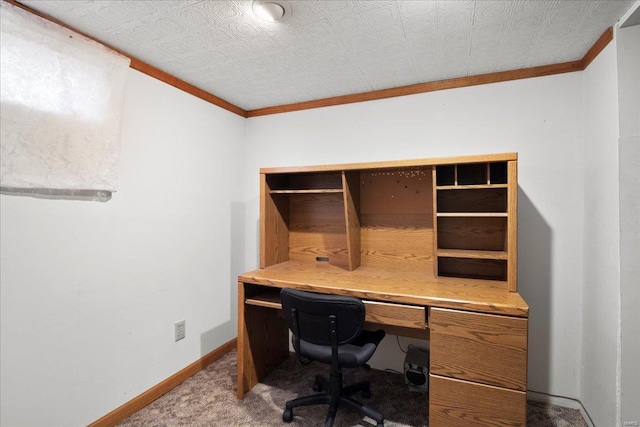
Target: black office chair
x=328, y=329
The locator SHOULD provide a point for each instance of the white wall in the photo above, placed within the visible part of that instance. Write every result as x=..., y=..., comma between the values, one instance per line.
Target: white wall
x=539, y=118
x=628, y=40
x=90, y=291
x=601, y=289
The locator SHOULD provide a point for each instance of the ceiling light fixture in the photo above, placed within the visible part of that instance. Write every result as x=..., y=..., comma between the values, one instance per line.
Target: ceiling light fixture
x=271, y=11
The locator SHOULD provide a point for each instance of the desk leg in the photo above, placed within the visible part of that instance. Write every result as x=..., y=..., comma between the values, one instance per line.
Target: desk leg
x=263, y=342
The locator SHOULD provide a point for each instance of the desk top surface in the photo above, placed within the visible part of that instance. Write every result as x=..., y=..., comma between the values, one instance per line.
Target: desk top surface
x=402, y=287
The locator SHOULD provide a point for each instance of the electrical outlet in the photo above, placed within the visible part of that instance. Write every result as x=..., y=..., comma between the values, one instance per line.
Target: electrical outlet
x=180, y=330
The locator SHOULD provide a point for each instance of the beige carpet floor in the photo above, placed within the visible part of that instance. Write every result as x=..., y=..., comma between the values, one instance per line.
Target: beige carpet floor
x=209, y=399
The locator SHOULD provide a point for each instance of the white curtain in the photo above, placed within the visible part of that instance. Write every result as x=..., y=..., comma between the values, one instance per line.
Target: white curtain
x=62, y=99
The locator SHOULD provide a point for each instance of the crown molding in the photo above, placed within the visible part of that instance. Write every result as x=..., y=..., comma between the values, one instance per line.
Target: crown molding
x=481, y=79
x=597, y=47
x=501, y=76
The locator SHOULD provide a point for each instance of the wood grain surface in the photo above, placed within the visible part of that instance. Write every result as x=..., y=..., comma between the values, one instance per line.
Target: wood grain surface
x=479, y=347
x=457, y=403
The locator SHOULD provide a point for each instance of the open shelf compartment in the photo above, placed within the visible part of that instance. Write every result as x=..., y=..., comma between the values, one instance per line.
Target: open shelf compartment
x=488, y=269
x=472, y=174
x=304, y=182
x=473, y=200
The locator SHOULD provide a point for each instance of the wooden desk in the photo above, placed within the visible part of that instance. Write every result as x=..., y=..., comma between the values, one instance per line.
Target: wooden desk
x=478, y=333
x=429, y=245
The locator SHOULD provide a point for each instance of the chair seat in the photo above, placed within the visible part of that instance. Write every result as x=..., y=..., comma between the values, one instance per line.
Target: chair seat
x=351, y=355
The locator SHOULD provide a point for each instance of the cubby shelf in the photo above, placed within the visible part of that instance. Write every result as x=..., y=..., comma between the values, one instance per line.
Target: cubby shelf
x=475, y=220
x=470, y=187
x=473, y=254
x=321, y=191
x=471, y=214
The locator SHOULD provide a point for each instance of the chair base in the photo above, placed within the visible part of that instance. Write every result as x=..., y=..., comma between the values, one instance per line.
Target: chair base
x=335, y=396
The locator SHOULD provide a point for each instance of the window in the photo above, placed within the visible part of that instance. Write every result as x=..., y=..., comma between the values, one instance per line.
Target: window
x=61, y=110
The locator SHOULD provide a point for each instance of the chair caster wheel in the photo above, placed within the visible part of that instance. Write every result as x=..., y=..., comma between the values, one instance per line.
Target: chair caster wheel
x=287, y=416
x=317, y=387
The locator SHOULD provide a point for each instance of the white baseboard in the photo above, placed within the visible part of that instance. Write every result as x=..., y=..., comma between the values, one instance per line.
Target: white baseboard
x=561, y=401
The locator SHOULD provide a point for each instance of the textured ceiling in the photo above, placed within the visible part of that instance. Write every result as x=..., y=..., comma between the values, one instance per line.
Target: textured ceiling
x=331, y=48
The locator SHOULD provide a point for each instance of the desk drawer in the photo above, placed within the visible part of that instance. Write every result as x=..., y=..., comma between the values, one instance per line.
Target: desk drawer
x=461, y=403
x=408, y=316
x=479, y=347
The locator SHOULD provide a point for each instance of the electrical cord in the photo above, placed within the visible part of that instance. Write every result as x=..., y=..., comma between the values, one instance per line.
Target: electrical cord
x=425, y=353
x=400, y=347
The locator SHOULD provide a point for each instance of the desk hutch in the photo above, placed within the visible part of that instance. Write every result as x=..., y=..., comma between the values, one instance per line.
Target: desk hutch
x=429, y=245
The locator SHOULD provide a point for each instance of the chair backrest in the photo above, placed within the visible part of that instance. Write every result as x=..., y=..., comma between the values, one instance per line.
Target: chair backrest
x=309, y=316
